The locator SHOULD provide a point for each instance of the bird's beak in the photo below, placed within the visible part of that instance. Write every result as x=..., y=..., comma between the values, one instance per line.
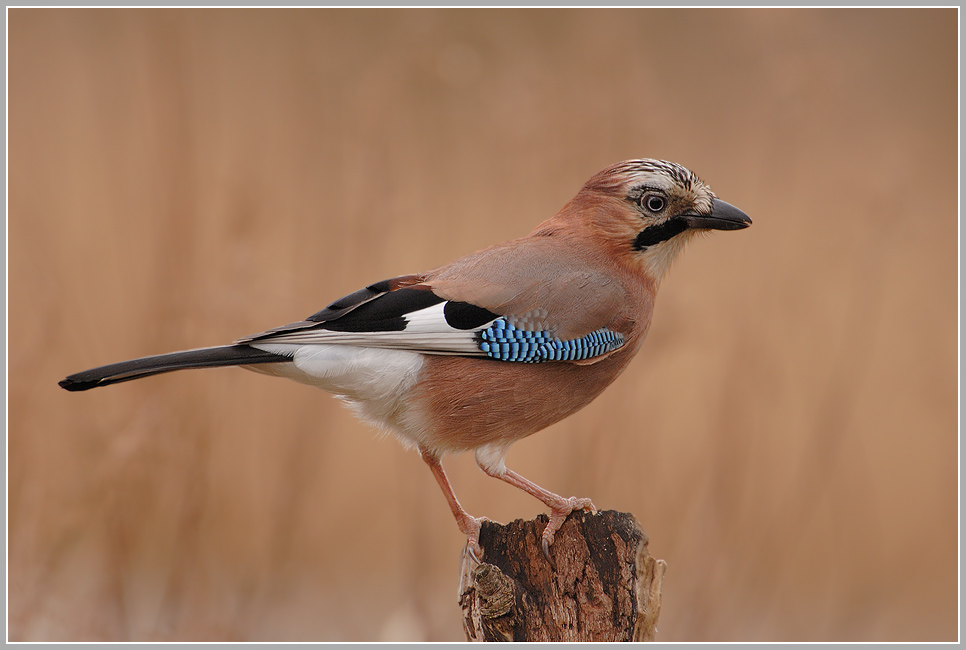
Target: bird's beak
x=724, y=216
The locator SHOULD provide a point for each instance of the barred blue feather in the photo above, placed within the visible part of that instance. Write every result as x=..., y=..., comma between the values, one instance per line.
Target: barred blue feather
x=502, y=341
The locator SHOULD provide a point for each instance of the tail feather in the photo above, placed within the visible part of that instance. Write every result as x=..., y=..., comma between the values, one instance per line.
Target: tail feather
x=226, y=355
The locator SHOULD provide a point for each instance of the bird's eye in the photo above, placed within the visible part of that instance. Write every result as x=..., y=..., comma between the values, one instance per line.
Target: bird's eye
x=653, y=202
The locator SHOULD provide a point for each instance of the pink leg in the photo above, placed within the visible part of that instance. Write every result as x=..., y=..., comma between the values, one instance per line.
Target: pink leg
x=468, y=525
x=559, y=506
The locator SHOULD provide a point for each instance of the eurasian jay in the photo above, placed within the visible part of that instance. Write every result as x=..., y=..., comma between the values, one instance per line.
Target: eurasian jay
x=497, y=345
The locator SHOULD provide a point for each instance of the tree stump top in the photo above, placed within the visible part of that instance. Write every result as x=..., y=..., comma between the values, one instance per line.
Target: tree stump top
x=599, y=585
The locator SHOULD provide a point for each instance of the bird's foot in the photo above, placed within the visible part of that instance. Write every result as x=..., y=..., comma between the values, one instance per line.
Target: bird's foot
x=471, y=526
x=558, y=515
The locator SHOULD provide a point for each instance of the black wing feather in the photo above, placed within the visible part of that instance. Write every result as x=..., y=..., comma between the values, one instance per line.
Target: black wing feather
x=377, y=308
x=385, y=313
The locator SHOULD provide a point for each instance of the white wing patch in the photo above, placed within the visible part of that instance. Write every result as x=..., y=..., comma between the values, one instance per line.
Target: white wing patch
x=426, y=331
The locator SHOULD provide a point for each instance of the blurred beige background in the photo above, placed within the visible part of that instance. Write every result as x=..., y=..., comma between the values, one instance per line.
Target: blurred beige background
x=787, y=436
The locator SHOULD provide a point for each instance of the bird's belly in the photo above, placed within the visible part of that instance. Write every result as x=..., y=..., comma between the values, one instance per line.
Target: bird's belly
x=465, y=403
x=447, y=403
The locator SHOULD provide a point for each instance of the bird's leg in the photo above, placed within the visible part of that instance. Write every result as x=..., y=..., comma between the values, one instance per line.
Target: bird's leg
x=560, y=507
x=468, y=525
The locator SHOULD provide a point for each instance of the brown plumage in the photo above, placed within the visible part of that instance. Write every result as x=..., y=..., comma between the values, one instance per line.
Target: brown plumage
x=499, y=344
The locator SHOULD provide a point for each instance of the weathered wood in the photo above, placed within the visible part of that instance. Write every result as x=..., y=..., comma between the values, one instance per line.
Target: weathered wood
x=602, y=584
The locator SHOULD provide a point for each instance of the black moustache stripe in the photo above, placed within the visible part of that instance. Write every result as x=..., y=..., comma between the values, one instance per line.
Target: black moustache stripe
x=661, y=232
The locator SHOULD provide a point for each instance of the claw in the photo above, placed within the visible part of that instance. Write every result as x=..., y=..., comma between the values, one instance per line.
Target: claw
x=474, y=549
x=558, y=515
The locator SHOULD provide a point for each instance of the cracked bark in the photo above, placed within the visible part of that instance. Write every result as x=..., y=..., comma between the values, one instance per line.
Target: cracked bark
x=602, y=584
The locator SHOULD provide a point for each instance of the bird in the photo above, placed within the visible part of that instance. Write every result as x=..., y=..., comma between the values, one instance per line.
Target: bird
x=481, y=352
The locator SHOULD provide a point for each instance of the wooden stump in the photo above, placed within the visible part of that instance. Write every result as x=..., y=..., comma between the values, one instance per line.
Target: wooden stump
x=602, y=586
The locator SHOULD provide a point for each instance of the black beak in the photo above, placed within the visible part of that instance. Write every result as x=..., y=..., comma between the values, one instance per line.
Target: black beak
x=724, y=216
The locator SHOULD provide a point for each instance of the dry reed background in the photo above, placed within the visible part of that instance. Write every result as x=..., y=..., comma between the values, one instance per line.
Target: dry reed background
x=178, y=178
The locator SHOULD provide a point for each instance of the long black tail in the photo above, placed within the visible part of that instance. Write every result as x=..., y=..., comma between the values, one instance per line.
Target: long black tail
x=226, y=355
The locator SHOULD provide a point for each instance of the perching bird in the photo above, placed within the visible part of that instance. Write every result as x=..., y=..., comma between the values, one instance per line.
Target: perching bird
x=497, y=345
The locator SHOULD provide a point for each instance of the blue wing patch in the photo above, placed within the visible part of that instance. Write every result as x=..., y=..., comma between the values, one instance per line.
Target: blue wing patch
x=503, y=341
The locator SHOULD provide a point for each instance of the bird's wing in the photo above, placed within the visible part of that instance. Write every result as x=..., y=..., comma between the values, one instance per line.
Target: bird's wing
x=538, y=283
x=512, y=307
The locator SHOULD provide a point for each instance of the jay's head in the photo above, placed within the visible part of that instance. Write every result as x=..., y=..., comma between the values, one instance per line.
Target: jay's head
x=647, y=210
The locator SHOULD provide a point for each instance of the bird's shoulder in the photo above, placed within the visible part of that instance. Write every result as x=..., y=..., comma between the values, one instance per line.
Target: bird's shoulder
x=542, y=281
